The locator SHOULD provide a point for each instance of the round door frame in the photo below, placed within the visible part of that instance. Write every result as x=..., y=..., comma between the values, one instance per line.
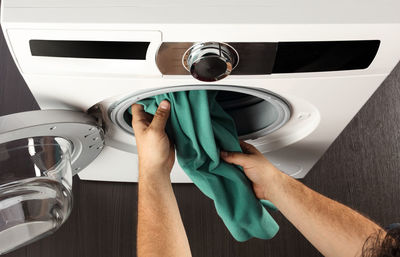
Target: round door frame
x=116, y=111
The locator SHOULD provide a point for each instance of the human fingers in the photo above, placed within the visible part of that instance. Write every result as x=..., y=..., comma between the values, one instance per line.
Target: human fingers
x=248, y=148
x=139, y=118
x=234, y=158
x=161, y=116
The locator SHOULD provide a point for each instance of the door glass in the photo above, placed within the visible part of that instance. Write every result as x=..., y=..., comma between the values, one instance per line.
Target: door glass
x=35, y=189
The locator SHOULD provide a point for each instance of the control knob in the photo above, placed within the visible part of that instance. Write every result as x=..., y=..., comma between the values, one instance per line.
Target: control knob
x=210, y=61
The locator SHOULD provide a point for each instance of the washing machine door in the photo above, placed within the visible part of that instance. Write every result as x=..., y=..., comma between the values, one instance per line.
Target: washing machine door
x=40, y=151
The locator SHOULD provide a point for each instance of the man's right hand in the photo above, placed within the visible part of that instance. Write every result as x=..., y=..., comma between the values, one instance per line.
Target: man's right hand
x=256, y=167
x=156, y=152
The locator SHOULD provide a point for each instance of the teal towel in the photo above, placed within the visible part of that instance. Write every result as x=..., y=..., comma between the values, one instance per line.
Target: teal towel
x=199, y=128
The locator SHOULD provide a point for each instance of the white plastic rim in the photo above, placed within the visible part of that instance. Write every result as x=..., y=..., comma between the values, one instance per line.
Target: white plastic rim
x=80, y=129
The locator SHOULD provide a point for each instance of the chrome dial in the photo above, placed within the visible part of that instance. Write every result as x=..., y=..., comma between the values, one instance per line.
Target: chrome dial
x=210, y=61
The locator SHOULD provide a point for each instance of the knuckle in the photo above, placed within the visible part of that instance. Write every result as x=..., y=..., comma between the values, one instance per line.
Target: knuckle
x=252, y=147
x=248, y=148
x=161, y=113
x=231, y=155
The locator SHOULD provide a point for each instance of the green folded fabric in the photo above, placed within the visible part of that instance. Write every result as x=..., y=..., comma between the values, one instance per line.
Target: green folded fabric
x=199, y=128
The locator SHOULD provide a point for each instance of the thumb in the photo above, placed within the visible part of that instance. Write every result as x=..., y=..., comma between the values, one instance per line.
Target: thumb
x=161, y=116
x=234, y=158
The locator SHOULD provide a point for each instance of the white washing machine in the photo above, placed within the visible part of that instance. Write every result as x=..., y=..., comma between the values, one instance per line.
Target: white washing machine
x=301, y=70
x=292, y=74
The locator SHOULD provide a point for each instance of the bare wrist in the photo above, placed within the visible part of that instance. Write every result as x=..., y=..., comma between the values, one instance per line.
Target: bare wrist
x=269, y=170
x=154, y=174
x=271, y=177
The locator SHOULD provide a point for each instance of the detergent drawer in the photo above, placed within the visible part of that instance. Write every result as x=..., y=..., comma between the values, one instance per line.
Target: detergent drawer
x=86, y=53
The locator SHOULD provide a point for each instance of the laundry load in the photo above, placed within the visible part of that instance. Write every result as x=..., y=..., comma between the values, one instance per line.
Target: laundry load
x=200, y=128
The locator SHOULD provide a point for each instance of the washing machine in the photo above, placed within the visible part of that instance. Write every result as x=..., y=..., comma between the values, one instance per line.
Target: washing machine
x=291, y=74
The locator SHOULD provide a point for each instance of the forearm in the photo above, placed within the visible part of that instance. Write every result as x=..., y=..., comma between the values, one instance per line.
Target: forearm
x=334, y=229
x=160, y=227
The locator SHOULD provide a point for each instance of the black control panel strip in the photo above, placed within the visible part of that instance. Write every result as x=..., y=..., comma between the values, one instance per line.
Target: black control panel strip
x=255, y=58
x=90, y=49
x=292, y=57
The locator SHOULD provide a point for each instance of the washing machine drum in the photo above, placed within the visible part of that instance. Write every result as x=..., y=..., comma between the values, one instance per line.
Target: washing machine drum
x=252, y=115
x=256, y=112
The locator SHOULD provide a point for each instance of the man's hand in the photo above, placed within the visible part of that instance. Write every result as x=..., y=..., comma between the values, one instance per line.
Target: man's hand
x=256, y=167
x=334, y=229
x=156, y=152
x=160, y=227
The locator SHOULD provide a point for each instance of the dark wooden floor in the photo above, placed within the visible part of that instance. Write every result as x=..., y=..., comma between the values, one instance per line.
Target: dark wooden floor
x=361, y=169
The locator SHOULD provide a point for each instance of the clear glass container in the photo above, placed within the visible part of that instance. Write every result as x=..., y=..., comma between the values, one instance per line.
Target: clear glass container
x=35, y=189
